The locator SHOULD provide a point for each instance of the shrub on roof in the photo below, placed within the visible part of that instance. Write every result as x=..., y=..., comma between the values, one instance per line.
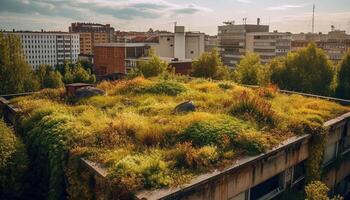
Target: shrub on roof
x=13, y=164
x=221, y=131
x=253, y=106
x=166, y=87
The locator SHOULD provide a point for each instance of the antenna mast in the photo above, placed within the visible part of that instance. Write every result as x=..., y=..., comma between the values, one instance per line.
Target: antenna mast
x=313, y=18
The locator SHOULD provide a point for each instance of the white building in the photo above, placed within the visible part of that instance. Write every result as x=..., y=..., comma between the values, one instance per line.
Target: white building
x=180, y=44
x=52, y=48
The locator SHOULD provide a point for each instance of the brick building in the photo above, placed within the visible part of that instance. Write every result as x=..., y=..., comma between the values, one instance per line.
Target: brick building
x=90, y=34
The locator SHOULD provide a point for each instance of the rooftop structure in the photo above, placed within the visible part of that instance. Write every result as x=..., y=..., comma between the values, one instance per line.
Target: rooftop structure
x=51, y=48
x=229, y=142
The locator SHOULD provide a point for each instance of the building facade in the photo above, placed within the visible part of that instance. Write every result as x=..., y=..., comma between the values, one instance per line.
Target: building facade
x=90, y=34
x=232, y=40
x=268, y=44
x=180, y=44
x=335, y=43
x=51, y=48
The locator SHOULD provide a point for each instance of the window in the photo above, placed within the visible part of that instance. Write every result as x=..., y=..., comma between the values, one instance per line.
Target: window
x=346, y=138
x=268, y=189
x=192, y=52
x=298, y=173
x=330, y=153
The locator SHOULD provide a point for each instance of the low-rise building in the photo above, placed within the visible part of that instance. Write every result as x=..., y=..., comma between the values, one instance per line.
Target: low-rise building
x=268, y=44
x=335, y=43
x=51, y=48
x=113, y=58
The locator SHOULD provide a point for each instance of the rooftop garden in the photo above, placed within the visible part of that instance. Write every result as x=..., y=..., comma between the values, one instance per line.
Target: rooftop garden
x=144, y=140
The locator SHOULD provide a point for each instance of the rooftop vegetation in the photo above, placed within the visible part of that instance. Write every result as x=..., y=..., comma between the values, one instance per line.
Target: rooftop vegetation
x=136, y=134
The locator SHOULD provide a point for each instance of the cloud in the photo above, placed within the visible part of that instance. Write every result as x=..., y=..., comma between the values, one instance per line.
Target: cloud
x=285, y=7
x=244, y=1
x=82, y=9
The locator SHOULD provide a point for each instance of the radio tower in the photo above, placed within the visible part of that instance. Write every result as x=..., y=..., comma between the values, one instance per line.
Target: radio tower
x=313, y=18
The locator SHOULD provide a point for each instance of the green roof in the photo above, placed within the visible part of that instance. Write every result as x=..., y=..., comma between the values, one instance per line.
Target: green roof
x=144, y=143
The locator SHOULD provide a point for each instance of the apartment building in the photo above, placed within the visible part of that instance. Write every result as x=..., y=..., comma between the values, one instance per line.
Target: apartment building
x=92, y=33
x=335, y=43
x=180, y=44
x=268, y=44
x=211, y=42
x=232, y=40
x=51, y=48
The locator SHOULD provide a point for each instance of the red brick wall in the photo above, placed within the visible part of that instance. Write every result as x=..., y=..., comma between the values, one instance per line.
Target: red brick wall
x=109, y=60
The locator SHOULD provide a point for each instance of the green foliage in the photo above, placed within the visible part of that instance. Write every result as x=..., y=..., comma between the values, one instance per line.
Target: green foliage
x=308, y=70
x=77, y=74
x=152, y=67
x=16, y=75
x=314, y=163
x=49, y=78
x=167, y=88
x=209, y=65
x=250, y=71
x=13, y=164
x=222, y=131
x=143, y=171
x=343, y=78
x=225, y=86
x=316, y=190
x=255, y=107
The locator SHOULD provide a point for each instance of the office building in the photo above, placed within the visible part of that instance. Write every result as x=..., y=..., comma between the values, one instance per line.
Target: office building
x=51, y=48
x=92, y=33
x=268, y=44
x=232, y=40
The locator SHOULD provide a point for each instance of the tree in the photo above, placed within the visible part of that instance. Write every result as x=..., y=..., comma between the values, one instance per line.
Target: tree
x=48, y=78
x=76, y=73
x=53, y=80
x=15, y=74
x=154, y=66
x=250, y=71
x=308, y=70
x=209, y=65
x=343, y=88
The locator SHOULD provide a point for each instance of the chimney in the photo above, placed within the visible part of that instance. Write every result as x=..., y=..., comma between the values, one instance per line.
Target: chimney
x=258, y=21
x=42, y=30
x=179, y=42
x=13, y=30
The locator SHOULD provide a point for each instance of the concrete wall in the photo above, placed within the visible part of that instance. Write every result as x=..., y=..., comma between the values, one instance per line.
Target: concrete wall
x=165, y=47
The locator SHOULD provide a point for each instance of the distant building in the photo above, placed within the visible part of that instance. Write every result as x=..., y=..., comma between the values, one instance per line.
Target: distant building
x=268, y=44
x=211, y=42
x=232, y=40
x=117, y=58
x=92, y=33
x=180, y=44
x=51, y=48
x=335, y=43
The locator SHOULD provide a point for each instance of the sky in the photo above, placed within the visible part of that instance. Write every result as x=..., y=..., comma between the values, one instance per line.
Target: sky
x=197, y=15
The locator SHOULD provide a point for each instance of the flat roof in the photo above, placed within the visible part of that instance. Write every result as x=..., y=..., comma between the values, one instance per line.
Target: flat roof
x=115, y=44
